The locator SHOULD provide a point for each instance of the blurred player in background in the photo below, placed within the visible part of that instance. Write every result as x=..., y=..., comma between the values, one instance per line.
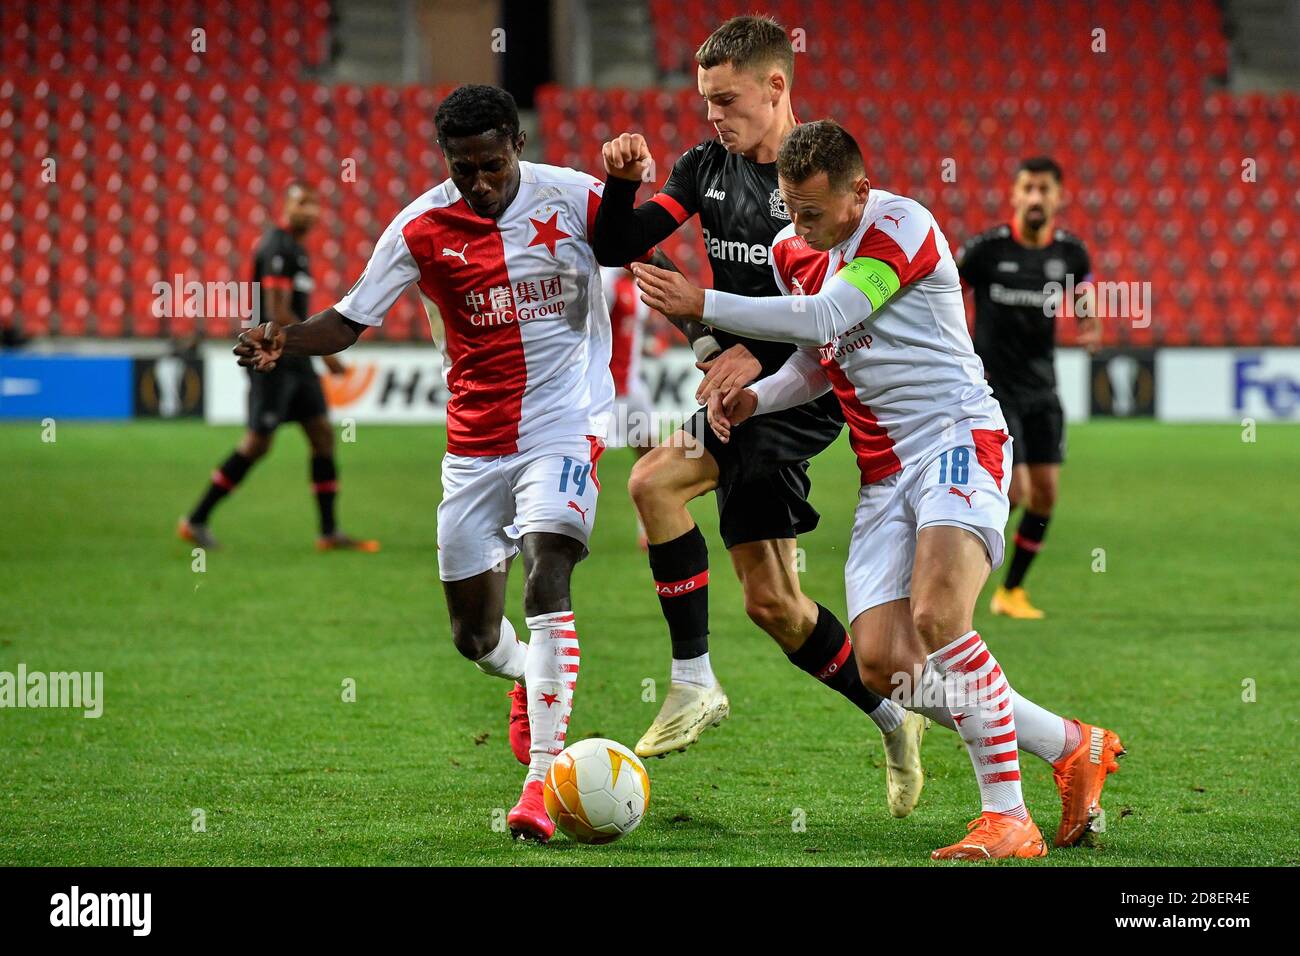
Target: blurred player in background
x=872, y=298
x=761, y=478
x=501, y=249
x=633, y=407
x=292, y=393
x=1009, y=268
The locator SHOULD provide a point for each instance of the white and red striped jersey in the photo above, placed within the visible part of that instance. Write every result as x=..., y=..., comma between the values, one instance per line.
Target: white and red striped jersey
x=887, y=332
x=627, y=318
x=528, y=333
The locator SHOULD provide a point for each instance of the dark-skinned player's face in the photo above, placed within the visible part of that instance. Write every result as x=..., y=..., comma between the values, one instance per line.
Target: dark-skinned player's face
x=1035, y=198
x=301, y=210
x=742, y=104
x=485, y=168
x=822, y=214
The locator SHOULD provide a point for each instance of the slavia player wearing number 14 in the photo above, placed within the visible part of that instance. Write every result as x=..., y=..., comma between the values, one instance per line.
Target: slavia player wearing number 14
x=874, y=303
x=501, y=248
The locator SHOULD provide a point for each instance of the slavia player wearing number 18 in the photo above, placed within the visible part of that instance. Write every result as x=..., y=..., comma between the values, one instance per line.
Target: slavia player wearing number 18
x=874, y=304
x=501, y=249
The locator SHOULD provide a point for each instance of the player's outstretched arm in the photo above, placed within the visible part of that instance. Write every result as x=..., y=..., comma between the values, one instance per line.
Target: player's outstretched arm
x=325, y=333
x=706, y=347
x=802, y=320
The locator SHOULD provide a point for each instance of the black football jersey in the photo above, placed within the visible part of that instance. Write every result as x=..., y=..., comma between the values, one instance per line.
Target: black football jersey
x=1015, y=326
x=280, y=258
x=741, y=211
x=280, y=261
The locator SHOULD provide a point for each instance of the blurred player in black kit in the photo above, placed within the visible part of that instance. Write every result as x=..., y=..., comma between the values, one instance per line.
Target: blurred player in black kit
x=1012, y=269
x=292, y=392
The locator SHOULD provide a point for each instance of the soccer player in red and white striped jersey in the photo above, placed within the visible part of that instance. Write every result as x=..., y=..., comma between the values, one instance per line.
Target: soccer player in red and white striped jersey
x=502, y=249
x=873, y=300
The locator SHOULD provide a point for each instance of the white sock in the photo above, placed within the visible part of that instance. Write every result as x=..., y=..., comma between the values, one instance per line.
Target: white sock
x=697, y=670
x=550, y=673
x=1038, y=731
x=979, y=697
x=888, y=715
x=507, y=658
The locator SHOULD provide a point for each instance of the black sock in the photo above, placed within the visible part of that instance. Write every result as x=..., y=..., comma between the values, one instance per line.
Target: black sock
x=224, y=479
x=827, y=654
x=324, y=481
x=681, y=574
x=1029, y=539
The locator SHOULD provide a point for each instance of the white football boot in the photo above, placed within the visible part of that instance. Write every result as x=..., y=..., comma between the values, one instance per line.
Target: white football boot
x=686, y=712
x=904, y=775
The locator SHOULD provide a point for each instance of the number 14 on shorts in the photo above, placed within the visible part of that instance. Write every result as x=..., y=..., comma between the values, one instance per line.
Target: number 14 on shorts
x=576, y=473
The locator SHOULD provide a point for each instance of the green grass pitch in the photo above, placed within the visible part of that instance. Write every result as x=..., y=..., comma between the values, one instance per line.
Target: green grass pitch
x=223, y=689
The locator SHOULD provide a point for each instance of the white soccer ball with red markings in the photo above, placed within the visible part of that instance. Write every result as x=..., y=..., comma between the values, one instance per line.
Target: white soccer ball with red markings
x=597, y=791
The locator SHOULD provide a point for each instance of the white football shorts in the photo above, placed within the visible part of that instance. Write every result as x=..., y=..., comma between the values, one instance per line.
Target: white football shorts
x=490, y=502
x=962, y=482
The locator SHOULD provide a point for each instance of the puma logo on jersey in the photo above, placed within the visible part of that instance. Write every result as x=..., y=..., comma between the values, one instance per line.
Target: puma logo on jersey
x=966, y=498
x=459, y=255
x=581, y=511
x=896, y=220
x=712, y=193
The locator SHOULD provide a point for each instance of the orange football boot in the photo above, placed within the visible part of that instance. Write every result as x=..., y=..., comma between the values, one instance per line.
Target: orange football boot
x=996, y=836
x=338, y=541
x=1079, y=777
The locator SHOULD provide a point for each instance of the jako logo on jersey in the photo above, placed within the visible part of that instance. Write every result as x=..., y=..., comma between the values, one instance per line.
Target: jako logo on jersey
x=712, y=193
x=966, y=498
x=459, y=255
x=776, y=206
x=730, y=250
x=897, y=221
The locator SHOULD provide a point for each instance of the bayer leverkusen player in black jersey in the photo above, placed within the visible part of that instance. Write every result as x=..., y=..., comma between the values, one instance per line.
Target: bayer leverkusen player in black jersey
x=761, y=476
x=290, y=393
x=1018, y=272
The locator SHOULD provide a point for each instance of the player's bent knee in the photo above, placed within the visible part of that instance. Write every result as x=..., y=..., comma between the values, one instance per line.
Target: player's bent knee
x=475, y=639
x=1042, y=500
x=652, y=478
x=876, y=675
x=935, y=623
x=779, y=618
x=549, y=571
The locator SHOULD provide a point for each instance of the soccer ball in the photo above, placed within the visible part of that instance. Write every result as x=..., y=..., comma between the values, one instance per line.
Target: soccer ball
x=596, y=791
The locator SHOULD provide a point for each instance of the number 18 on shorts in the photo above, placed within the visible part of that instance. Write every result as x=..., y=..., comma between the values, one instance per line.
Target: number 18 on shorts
x=963, y=482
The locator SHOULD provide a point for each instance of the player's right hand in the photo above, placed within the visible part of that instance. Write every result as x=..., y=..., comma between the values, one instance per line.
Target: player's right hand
x=628, y=157
x=260, y=348
x=727, y=411
x=730, y=369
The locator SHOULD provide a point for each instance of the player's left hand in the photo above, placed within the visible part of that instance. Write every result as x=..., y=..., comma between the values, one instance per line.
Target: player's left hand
x=669, y=292
x=335, y=366
x=733, y=368
x=260, y=348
